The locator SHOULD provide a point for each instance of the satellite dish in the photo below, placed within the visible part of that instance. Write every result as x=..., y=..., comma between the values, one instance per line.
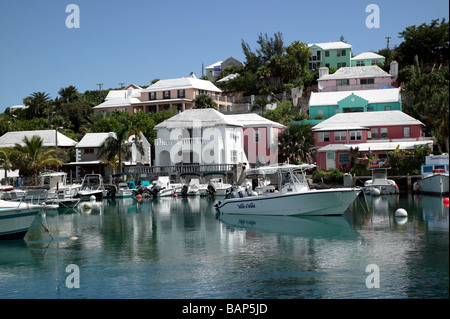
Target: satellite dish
x=320, y=86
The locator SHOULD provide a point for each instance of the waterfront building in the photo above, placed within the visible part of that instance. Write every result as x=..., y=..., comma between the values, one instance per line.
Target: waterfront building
x=330, y=103
x=260, y=138
x=371, y=132
x=354, y=78
x=87, y=159
x=50, y=138
x=367, y=58
x=329, y=54
x=199, y=137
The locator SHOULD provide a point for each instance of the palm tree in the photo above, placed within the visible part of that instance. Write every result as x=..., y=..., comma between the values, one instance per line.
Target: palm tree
x=297, y=143
x=32, y=157
x=119, y=144
x=38, y=103
x=69, y=94
x=5, y=162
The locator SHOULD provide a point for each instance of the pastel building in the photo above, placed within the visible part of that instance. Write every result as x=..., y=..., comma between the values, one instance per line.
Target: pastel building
x=329, y=54
x=330, y=103
x=162, y=95
x=353, y=78
x=370, y=132
x=260, y=138
x=367, y=58
x=199, y=137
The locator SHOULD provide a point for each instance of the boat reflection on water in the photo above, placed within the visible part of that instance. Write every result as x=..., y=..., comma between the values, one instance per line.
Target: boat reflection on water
x=434, y=211
x=330, y=227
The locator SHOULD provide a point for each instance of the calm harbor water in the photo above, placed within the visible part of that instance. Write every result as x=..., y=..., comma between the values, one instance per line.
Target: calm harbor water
x=178, y=248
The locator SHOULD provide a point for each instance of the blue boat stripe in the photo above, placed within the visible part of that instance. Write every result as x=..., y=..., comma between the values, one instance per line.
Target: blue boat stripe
x=19, y=215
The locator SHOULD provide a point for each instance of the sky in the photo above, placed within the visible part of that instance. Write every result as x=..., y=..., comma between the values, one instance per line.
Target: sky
x=137, y=41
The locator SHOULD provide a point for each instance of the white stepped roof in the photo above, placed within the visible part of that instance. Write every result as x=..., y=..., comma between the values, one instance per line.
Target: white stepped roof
x=48, y=137
x=373, y=96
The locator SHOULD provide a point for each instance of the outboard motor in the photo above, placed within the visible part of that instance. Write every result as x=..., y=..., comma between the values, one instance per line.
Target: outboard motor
x=154, y=190
x=139, y=191
x=184, y=190
x=211, y=190
x=243, y=193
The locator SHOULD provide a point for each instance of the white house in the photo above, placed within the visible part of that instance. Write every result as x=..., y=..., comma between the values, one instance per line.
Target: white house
x=50, y=138
x=199, y=136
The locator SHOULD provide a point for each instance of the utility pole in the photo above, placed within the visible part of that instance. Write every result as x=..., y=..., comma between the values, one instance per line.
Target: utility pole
x=122, y=84
x=387, y=42
x=100, y=86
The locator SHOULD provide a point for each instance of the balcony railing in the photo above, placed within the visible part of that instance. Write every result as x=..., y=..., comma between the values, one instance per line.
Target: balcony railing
x=187, y=141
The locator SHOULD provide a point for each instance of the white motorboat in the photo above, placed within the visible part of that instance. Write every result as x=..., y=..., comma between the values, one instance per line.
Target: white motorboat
x=16, y=218
x=434, y=175
x=217, y=187
x=57, y=184
x=380, y=184
x=163, y=187
x=92, y=185
x=293, y=197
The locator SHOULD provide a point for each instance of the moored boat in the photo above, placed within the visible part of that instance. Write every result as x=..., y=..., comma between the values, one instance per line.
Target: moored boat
x=16, y=218
x=434, y=175
x=380, y=184
x=92, y=185
x=293, y=197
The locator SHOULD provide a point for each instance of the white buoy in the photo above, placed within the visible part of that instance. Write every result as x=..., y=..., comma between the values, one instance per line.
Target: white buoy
x=401, y=213
x=73, y=238
x=376, y=192
x=92, y=198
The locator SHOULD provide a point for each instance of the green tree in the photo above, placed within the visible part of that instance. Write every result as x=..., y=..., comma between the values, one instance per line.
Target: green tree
x=119, y=145
x=69, y=94
x=296, y=143
x=38, y=105
x=429, y=42
x=204, y=101
x=32, y=157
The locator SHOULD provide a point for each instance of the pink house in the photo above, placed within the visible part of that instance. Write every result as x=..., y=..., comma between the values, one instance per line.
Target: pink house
x=371, y=132
x=260, y=138
x=353, y=78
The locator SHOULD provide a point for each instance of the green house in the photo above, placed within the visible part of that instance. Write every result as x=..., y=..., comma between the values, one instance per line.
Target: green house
x=367, y=58
x=326, y=104
x=330, y=54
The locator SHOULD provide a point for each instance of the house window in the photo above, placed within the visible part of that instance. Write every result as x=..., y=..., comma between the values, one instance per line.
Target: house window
x=166, y=94
x=370, y=109
x=387, y=108
x=234, y=158
x=360, y=63
x=341, y=64
x=327, y=65
x=181, y=94
x=256, y=136
x=323, y=136
x=88, y=151
x=152, y=96
x=374, y=133
x=367, y=81
x=327, y=53
x=376, y=61
x=342, y=82
x=406, y=131
x=344, y=158
x=383, y=132
x=340, y=136
x=355, y=135
x=341, y=53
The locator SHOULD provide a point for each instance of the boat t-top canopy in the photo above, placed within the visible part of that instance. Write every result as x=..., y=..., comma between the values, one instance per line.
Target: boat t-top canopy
x=278, y=168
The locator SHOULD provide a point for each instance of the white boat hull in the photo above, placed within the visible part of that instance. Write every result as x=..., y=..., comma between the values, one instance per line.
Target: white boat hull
x=312, y=203
x=437, y=184
x=14, y=223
